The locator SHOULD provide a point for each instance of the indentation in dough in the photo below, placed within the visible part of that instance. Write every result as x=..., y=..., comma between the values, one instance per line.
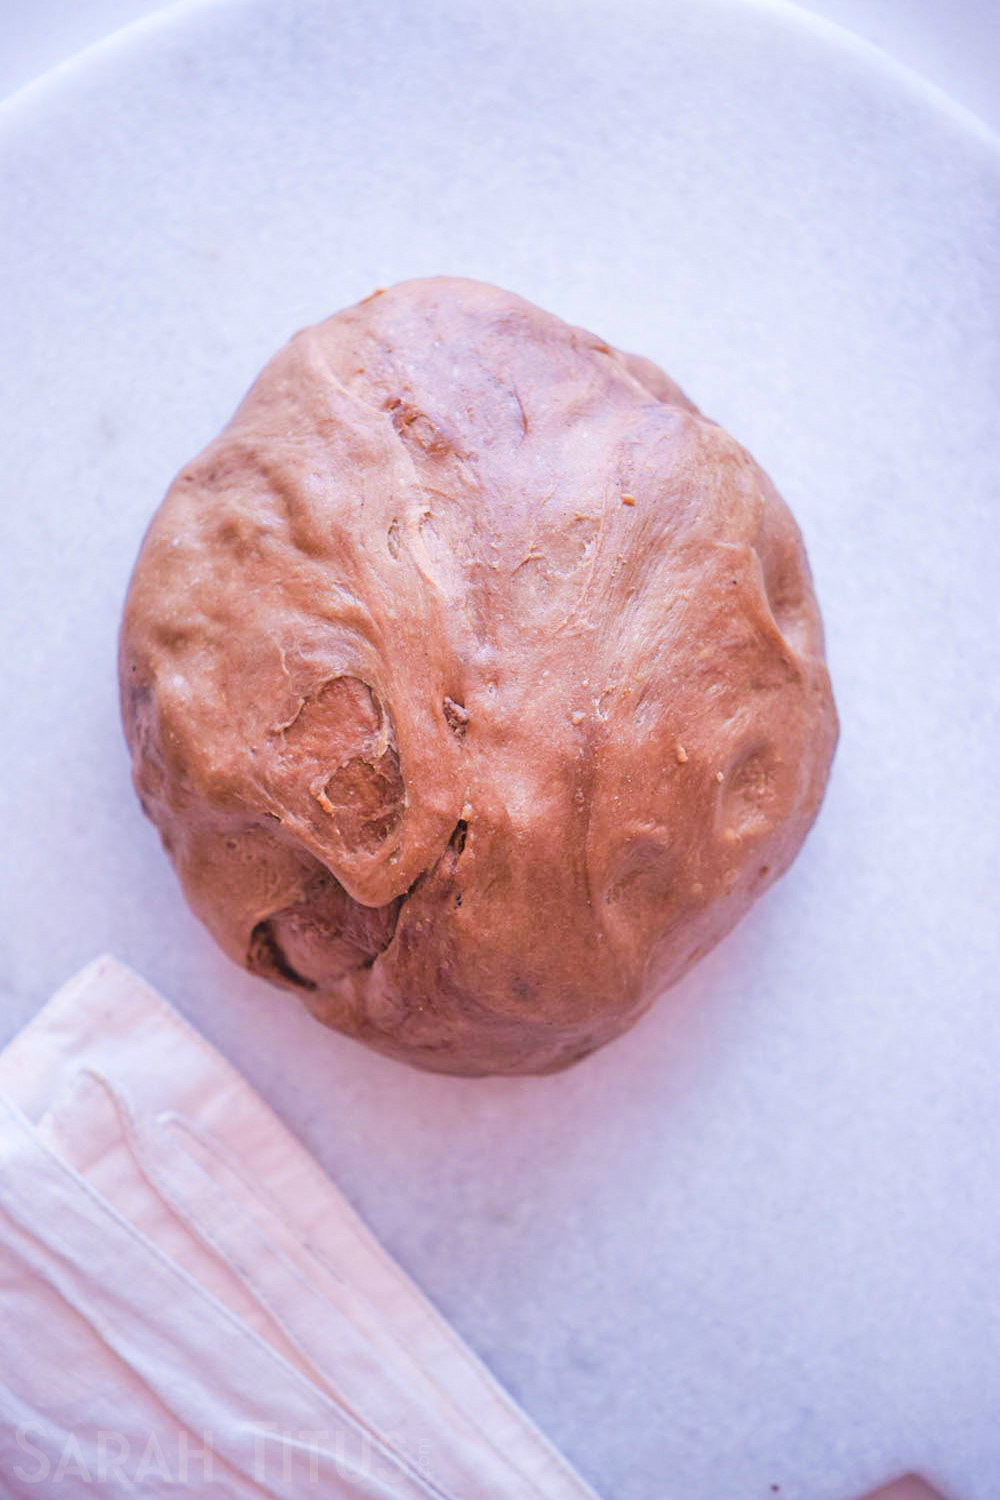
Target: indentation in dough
x=783, y=583
x=171, y=636
x=365, y=799
x=653, y=379
x=787, y=586
x=750, y=794
x=392, y=539
x=456, y=716
x=418, y=430
x=266, y=958
x=456, y=844
x=343, y=744
x=315, y=942
x=443, y=872
x=641, y=876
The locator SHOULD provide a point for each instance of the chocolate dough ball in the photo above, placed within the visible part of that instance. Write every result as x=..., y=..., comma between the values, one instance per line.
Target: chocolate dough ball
x=474, y=680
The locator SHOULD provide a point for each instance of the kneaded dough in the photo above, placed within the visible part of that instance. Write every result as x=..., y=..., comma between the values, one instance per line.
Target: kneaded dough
x=474, y=680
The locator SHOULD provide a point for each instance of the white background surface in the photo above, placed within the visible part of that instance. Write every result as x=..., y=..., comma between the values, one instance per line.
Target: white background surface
x=954, y=45
x=753, y=1243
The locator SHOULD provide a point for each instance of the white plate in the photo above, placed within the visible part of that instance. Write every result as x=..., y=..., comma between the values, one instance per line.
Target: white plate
x=757, y=1242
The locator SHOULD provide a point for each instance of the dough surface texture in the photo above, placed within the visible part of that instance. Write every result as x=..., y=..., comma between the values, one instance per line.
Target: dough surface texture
x=474, y=680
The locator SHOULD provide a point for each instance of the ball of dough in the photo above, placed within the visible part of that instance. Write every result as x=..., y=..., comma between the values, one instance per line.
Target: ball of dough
x=474, y=680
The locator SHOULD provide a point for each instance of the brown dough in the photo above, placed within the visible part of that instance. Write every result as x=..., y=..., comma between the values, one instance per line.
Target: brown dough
x=474, y=680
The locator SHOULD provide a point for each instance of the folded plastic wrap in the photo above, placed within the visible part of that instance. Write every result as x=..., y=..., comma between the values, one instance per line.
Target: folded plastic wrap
x=186, y=1299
